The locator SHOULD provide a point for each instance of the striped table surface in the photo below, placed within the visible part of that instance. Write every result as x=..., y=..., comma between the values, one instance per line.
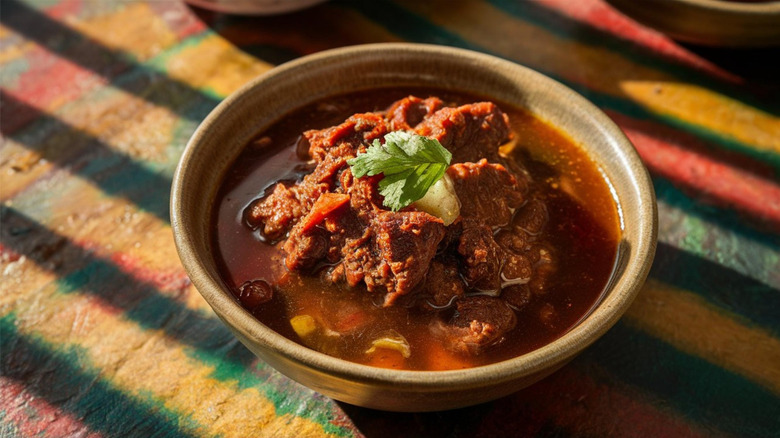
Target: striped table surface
x=103, y=334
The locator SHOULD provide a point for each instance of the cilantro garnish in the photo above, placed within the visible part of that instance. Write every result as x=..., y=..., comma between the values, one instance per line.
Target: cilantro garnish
x=410, y=163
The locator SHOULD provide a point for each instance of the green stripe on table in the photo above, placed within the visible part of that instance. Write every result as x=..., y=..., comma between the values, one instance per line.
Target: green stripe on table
x=209, y=340
x=750, y=299
x=696, y=388
x=58, y=377
x=670, y=197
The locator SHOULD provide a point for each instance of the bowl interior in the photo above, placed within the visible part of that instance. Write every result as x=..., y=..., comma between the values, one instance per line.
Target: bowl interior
x=221, y=137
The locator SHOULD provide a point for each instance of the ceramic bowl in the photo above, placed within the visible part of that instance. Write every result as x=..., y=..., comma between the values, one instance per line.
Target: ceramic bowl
x=222, y=135
x=722, y=23
x=254, y=7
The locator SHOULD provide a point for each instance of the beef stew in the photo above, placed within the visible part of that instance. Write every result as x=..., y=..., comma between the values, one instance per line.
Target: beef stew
x=314, y=254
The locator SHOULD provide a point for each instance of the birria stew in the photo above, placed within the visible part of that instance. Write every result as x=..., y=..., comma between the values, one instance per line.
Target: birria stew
x=415, y=229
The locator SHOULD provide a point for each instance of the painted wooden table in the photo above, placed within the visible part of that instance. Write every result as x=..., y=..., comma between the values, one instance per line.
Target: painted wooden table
x=103, y=335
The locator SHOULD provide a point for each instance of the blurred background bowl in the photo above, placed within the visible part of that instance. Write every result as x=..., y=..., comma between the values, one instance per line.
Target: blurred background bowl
x=720, y=23
x=254, y=7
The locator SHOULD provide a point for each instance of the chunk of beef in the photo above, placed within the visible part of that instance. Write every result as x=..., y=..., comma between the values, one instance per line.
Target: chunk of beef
x=311, y=238
x=332, y=147
x=304, y=249
x=517, y=296
x=405, y=243
x=517, y=269
x=352, y=136
x=532, y=218
x=449, y=243
x=479, y=323
x=442, y=283
x=482, y=257
x=278, y=212
x=392, y=254
x=471, y=132
x=488, y=266
x=364, y=197
x=487, y=192
x=358, y=256
x=514, y=240
x=544, y=267
x=408, y=112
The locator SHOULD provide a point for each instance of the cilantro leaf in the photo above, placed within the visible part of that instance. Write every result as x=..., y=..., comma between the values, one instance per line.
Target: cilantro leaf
x=410, y=163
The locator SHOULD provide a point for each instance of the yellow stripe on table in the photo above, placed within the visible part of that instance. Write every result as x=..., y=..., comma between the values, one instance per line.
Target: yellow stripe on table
x=602, y=70
x=133, y=28
x=12, y=52
x=212, y=63
x=691, y=324
x=702, y=107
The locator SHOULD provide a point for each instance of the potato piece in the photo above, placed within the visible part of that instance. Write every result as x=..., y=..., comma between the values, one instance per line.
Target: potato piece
x=441, y=201
x=304, y=325
x=392, y=340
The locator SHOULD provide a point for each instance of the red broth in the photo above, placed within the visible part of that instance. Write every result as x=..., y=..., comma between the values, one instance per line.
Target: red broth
x=583, y=227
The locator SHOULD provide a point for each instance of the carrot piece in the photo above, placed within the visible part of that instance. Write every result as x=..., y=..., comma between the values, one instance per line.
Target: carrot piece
x=325, y=205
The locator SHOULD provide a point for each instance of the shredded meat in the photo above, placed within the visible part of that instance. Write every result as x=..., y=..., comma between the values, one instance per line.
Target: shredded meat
x=330, y=148
x=406, y=243
x=284, y=206
x=487, y=192
x=471, y=132
x=337, y=225
x=408, y=112
x=350, y=136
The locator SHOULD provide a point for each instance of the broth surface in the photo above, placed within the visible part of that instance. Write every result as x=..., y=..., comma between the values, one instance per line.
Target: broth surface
x=582, y=226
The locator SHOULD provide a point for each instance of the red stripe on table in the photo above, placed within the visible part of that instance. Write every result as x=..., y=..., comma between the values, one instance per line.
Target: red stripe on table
x=177, y=16
x=571, y=400
x=64, y=9
x=602, y=16
x=173, y=282
x=8, y=254
x=687, y=162
x=32, y=416
x=50, y=81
